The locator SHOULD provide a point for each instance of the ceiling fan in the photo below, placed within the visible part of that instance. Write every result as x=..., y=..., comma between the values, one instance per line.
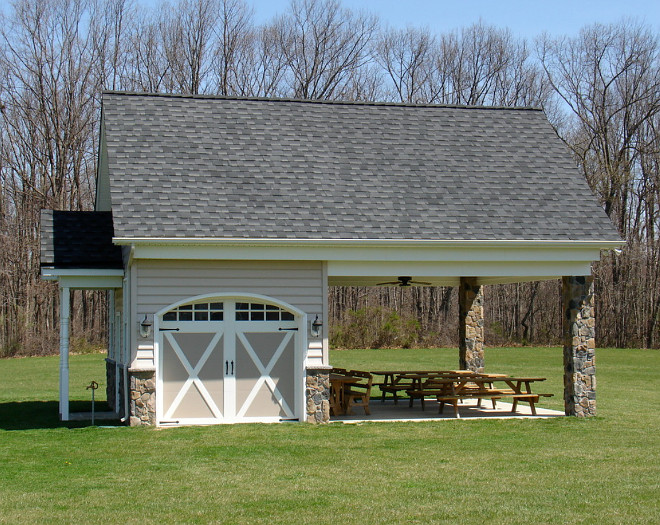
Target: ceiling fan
x=405, y=281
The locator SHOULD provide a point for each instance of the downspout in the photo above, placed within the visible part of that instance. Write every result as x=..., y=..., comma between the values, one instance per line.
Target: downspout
x=126, y=314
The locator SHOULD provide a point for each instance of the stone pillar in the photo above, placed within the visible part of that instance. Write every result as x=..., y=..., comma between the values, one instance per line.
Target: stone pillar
x=317, y=394
x=579, y=331
x=471, y=325
x=143, y=398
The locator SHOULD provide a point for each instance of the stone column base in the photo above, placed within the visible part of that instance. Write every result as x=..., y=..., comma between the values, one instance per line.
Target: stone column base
x=142, y=406
x=317, y=394
x=579, y=346
x=471, y=325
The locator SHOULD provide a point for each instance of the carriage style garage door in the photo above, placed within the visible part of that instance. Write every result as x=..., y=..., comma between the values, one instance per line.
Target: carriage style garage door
x=225, y=361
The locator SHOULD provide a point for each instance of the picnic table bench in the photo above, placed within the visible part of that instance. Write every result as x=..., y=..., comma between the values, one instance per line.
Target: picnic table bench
x=451, y=390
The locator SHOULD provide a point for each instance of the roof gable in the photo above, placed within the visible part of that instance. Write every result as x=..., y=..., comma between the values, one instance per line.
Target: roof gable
x=194, y=166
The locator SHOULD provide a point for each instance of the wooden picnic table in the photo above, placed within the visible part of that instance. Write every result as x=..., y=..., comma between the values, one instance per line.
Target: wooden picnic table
x=396, y=381
x=478, y=386
x=337, y=384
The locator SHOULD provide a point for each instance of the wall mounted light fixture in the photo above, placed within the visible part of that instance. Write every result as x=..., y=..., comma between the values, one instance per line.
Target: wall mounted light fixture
x=145, y=327
x=316, y=326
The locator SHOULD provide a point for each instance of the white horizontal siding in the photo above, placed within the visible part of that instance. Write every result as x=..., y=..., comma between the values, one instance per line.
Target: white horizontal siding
x=163, y=282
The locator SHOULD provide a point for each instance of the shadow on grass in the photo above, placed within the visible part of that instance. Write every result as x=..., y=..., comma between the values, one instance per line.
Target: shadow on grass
x=27, y=415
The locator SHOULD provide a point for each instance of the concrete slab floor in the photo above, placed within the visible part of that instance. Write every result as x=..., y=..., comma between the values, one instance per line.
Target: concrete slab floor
x=389, y=412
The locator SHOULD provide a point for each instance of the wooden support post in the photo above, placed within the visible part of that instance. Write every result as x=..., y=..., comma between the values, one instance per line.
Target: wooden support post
x=65, y=307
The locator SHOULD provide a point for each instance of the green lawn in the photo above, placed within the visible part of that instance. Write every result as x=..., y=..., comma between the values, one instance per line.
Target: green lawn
x=599, y=470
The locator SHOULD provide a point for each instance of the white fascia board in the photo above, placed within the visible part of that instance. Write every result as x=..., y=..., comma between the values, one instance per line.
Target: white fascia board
x=214, y=241
x=369, y=250
x=437, y=271
x=84, y=278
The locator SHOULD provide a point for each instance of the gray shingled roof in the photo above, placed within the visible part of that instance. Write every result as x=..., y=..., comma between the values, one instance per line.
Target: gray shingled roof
x=78, y=239
x=183, y=166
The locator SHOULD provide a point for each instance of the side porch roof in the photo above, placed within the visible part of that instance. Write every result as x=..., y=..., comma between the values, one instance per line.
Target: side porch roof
x=77, y=249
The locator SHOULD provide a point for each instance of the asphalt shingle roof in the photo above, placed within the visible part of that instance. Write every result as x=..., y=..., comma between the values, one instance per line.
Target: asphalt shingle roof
x=78, y=239
x=184, y=166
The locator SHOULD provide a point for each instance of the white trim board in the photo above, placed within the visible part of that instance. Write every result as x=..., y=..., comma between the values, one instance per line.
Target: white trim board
x=438, y=262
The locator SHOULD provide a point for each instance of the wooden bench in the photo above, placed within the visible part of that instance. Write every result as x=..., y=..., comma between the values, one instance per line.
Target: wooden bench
x=358, y=394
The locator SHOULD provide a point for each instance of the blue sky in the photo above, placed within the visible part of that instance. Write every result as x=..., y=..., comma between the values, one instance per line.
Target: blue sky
x=525, y=18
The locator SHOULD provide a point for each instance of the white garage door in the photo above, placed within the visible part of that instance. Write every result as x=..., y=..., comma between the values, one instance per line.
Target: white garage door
x=224, y=361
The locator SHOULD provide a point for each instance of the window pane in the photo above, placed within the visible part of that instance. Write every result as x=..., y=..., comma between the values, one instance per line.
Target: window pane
x=272, y=307
x=185, y=307
x=242, y=316
x=242, y=306
x=216, y=316
x=272, y=316
x=169, y=316
x=257, y=316
x=286, y=316
x=202, y=306
x=256, y=306
x=216, y=306
x=201, y=316
x=185, y=316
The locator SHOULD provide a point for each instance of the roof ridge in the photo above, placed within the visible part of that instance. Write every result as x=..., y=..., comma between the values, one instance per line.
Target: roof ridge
x=316, y=101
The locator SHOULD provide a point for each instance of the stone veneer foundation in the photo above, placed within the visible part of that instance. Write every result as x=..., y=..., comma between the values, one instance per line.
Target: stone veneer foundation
x=317, y=394
x=579, y=333
x=471, y=325
x=142, y=407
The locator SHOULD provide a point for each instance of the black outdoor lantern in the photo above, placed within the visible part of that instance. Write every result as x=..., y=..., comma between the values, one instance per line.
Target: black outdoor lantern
x=145, y=327
x=316, y=327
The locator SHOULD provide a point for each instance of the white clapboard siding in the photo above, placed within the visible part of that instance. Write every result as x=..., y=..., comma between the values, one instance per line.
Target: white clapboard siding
x=163, y=282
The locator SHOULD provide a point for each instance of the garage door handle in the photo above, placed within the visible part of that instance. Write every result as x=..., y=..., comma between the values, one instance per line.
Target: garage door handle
x=227, y=368
x=232, y=368
x=282, y=329
x=168, y=329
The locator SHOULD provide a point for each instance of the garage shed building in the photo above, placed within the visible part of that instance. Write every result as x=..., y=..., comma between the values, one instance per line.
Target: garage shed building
x=221, y=222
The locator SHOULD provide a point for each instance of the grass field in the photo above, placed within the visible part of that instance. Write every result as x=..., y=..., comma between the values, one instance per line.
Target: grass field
x=599, y=470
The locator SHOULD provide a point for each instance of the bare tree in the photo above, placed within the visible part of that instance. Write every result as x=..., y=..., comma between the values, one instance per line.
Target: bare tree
x=323, y=45
x=410, y=58
x=47, y=156
x=188, y=32
x=608, y=77
x=233, y=36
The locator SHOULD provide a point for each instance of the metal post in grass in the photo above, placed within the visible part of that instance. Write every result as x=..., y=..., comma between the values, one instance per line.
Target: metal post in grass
x=93, y=385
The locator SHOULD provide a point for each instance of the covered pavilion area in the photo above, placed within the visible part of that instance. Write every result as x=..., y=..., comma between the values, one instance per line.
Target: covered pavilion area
x=505, y=263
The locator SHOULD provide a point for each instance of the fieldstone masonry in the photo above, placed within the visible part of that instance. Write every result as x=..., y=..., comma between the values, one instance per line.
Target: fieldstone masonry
x=317, y=394
x=143, y=398
x=471, y=325
x=579, y=330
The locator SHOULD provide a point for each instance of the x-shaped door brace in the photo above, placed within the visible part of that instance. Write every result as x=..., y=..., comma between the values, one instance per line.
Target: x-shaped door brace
x=193, y=375
x=265, y=374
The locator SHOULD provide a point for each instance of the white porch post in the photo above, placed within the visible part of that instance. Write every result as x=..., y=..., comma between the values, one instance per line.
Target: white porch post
x=65, y=299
